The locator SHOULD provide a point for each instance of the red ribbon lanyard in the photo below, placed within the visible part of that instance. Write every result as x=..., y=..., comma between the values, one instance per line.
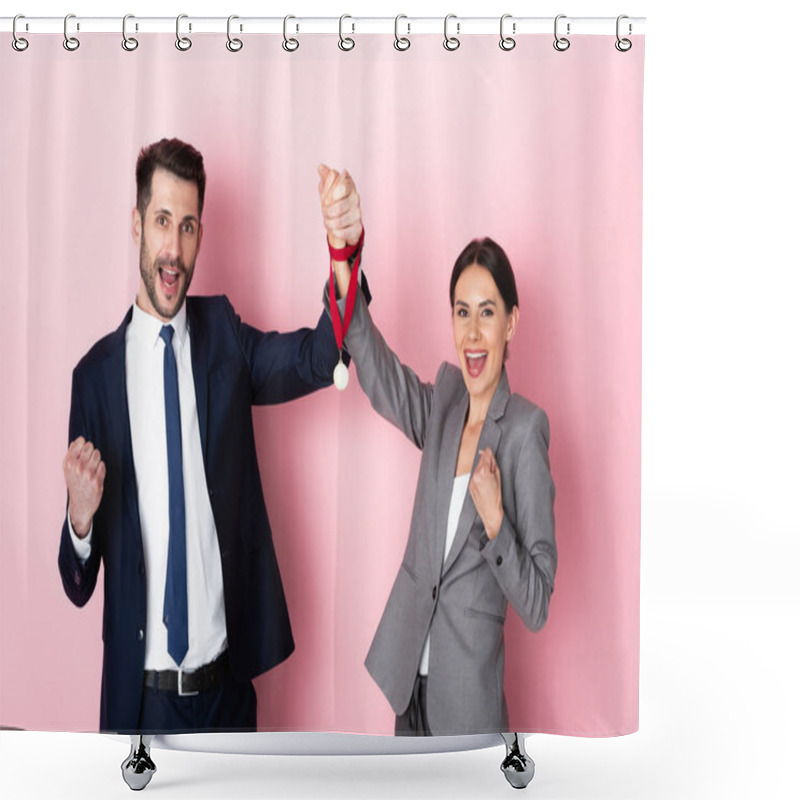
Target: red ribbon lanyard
x=344, y=254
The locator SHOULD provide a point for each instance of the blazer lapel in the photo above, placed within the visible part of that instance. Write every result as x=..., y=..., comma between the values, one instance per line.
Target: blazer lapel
x=451, y=441
x=199, y=342
x=119, y=425
x=490, y=437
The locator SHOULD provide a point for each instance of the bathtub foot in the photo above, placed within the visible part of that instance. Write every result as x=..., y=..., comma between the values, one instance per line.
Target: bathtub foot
x=138, y=768
x=518, y=766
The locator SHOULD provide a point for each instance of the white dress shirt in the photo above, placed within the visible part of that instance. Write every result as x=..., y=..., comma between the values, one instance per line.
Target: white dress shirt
x=144, y=379
x=457, y=497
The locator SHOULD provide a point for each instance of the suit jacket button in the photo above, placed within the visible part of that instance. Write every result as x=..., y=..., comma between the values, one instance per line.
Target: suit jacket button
x=77, y=578
x=499, y=560
x=140, y=635
x=434, y=592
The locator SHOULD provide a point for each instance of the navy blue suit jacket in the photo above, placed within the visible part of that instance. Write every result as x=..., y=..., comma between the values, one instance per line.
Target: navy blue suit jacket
x=235, y=366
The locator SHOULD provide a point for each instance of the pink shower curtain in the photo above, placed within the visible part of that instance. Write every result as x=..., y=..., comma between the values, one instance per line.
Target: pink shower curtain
x=539, y=149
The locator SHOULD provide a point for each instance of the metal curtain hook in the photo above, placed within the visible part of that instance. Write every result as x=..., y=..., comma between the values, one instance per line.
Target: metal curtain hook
x=451, y=42
x=623, y=45
x=18, y=42
x=290, y=45
x=182, y=42
x=129, y=43
x=401, y=42
x=506, y=42
x=561, y=43
x=70, y=42
x=345, y=42
x=233, y=44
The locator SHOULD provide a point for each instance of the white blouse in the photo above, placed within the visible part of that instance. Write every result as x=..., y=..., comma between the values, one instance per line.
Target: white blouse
x=459, y=494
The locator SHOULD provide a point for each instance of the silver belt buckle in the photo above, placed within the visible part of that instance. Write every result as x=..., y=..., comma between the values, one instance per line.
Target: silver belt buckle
x=181, y=693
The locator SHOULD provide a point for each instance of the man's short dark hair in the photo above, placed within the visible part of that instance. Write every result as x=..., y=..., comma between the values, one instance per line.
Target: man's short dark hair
x=174, y=156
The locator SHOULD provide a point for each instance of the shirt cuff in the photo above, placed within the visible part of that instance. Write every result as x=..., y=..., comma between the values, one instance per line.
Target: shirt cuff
x=82, y=547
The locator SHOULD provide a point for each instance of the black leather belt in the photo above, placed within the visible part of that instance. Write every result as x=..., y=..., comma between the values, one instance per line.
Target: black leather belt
x=202, y=679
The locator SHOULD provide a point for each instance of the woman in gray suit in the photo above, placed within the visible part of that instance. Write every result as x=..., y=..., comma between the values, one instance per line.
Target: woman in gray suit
x=482, y=529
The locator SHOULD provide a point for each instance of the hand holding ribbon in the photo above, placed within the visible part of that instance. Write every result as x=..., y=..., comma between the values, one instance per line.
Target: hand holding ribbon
x=341, y=206
x=341, y=212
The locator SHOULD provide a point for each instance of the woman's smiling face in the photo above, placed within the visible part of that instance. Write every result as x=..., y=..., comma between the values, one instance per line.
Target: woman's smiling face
x=482, y=327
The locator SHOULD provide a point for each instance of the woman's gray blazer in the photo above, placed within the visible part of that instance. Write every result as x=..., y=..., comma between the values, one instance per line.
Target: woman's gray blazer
x=463, y=601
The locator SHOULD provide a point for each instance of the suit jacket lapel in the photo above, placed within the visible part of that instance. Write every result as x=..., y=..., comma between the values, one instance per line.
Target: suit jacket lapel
x=199, y=342
x=451, y=441
x=119, y=425
x=490, y=437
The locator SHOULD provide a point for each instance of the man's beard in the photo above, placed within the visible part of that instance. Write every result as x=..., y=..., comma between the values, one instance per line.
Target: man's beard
x=149, y=272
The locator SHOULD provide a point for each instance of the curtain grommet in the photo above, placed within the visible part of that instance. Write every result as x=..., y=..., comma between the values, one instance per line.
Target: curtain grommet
x=19, y=43
x=71, y=43
x=129, y=43
x=623, y=44
x=401, y=43
x=289, y=44
x=451, y=43
x=183, y=43
x=507, y=43
x=234, y=44
x=561, y=43
x=346, y=43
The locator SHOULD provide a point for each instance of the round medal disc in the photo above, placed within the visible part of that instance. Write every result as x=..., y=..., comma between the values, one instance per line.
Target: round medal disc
x=340, y=376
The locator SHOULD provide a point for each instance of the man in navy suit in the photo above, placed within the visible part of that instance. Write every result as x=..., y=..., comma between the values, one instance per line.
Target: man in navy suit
x=162, y=479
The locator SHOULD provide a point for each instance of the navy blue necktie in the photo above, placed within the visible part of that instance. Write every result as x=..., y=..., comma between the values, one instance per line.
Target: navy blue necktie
x=176, y=612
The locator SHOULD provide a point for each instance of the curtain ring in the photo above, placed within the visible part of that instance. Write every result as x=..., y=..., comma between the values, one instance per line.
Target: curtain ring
x=17, y=42
x=451, y=42
x=70, y=42
x=183, y=43
x=401, y=42
x=129, y=43
x=233, y=44
x=345, y=42
x=561, y=43
x=506, y=42
x=289, y=45
x=623, y=45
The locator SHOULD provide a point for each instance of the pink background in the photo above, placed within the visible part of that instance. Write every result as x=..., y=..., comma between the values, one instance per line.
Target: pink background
x=539, y=149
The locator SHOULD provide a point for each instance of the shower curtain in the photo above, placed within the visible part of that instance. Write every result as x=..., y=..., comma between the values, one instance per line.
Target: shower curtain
x=539, y=149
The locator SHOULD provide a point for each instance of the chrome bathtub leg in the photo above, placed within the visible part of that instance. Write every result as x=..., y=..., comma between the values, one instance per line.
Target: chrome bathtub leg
x=518, y=766
x=138, y=768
